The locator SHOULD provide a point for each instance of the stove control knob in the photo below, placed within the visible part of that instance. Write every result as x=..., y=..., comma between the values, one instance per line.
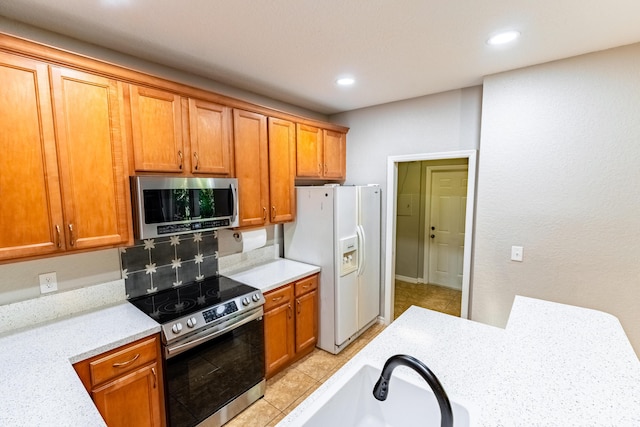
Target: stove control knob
x=221, y=309
x=176, y=328
x=246, y=301
x=192, y=322
x=255, y=297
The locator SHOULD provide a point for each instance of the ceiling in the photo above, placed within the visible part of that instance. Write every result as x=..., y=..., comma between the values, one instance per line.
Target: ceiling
x=294, y=50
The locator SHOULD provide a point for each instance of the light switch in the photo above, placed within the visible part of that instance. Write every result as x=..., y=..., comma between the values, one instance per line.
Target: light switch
x=516, y=253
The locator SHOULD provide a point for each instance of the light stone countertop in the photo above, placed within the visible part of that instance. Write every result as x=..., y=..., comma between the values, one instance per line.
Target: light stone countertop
x=553, y=365
x=38, y=384
x=274, y=274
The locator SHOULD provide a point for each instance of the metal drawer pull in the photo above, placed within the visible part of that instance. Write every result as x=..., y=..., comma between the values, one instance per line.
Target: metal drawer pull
x=278, y=299
x=290, y=311
x=181, y=158
x=153, y=371
x=72, y=242
x=298, y=301
x=58, y=242
x=264, y=213
x=128, y=362
x=273, y=212
x=195, y=155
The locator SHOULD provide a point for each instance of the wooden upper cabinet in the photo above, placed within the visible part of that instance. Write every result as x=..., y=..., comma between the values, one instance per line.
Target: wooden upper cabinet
x=308, y=151
x=87, y=110
x=334, y=154
x=210, y=134
x=320, y=153
x=282, y=167
x=29, y=189
x=252, y=166
x=156, y=125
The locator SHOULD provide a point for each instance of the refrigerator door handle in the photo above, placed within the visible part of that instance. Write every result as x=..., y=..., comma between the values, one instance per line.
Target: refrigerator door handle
x=361, y=246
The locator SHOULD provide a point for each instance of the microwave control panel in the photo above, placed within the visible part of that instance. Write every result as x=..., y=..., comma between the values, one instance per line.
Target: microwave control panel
x=192, y=226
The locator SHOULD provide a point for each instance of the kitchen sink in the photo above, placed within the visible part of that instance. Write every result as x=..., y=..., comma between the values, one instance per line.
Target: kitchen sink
x=410, y=403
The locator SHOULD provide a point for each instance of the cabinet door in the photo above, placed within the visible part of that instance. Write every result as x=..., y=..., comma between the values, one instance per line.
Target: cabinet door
x=156, y=124
x=308, y=151
x=278, y=331
x=282, y=166
x=210, y=126
x=90, y=154
x=29, y=189
x=131, y=400
x=335, y=147
x=306, y=321
x=252, y=166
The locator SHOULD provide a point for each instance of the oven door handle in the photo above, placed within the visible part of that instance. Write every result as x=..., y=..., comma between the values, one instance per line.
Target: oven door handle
x=220, y=329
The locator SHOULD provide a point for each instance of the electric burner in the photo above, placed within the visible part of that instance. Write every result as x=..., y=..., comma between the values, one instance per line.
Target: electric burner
x=195, y=297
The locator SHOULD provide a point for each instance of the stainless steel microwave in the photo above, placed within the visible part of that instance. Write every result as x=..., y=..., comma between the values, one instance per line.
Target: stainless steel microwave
x=164, y=206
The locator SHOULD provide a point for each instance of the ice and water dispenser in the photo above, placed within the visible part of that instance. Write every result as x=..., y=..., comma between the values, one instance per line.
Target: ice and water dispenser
x=349, y=249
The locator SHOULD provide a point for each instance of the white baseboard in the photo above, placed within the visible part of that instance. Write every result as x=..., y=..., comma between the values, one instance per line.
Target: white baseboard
x=409, y=279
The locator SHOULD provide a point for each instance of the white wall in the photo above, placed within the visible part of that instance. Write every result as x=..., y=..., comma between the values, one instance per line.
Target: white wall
x=28, y=32
x=559, y=173
x=447, y=121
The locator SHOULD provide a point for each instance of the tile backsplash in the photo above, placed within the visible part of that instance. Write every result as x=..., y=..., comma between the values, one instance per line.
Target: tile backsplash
x=152, y=265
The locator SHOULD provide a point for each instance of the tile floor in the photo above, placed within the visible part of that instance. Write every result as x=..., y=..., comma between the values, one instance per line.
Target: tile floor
x=290, y=387
x=433, y=297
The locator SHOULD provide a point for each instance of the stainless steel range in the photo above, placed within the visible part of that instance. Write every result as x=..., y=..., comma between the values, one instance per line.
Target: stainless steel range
x=213, y=345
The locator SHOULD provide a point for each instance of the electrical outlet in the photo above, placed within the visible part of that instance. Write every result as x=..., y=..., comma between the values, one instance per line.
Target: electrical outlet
x=516, y=253
x=48, y=282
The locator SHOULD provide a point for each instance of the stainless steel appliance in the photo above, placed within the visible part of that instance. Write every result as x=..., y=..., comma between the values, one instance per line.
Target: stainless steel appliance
x=213, y=347
x=170, y=205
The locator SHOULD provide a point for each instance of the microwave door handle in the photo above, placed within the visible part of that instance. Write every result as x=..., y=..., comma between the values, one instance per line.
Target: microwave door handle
x=232, y=201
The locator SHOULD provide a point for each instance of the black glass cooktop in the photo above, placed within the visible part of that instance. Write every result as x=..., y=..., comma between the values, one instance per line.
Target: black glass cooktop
x=170, y=304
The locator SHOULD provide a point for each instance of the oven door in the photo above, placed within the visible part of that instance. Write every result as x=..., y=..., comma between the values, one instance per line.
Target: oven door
x=206, y=379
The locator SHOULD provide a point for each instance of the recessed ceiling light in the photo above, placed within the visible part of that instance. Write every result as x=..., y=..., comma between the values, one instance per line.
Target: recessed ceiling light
x=503, y=37
x=345, y=81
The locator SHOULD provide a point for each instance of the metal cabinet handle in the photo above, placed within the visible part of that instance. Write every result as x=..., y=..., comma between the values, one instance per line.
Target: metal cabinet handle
x=298, y=301
x=72, y=241
x=273, y=212
x=155, y=379
x=195, y=155
x=128, y=362
x=181, y=158
x=325, y=168
x=290, y=311
x=58, y=241
x=264, y=213
x=278, y=299
x=320, y=168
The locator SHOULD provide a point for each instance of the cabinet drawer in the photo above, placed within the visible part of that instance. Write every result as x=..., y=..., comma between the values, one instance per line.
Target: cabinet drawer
x=278, y=297
x=122, y=361
x=306, y=285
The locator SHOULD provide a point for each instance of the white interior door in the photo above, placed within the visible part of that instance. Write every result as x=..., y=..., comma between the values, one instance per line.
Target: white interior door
x=447, y=227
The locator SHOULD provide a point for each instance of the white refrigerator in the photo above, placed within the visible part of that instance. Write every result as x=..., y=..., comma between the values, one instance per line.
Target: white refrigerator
x=338, y=229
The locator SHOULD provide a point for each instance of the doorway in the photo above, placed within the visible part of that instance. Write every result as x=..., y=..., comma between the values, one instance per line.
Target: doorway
x=445, y=257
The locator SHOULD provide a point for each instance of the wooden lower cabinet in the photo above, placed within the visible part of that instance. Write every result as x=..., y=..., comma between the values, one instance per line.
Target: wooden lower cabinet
x=126, y=384
x=290, y=323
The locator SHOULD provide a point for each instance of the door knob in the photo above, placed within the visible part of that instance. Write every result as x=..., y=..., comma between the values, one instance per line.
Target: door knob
x=432, y=227
x=433, y=236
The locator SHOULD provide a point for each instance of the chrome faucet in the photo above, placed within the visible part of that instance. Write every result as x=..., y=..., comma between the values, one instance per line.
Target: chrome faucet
x=381, y=389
